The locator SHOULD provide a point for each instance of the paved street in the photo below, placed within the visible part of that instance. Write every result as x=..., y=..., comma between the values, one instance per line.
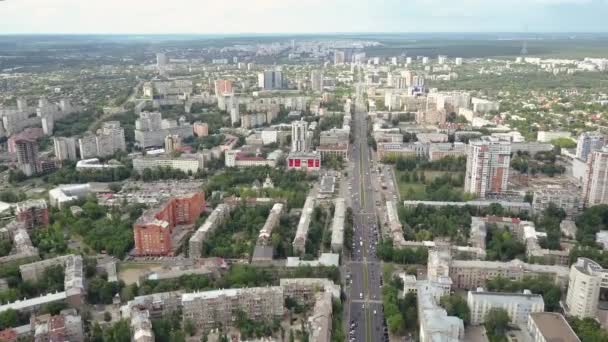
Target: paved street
x=365, y=294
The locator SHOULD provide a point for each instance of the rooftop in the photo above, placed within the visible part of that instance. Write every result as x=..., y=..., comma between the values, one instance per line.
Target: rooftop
x=553, y=327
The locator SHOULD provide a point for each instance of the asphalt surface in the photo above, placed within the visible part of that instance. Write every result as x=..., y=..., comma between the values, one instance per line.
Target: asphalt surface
x=366, y=318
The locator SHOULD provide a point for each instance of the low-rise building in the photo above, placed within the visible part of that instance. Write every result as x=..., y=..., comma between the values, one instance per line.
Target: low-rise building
x=549, y=327
x=443, y=150
x=299, y=242
x=320, y=322
x=219, y=215
x=212, y=309
x=63, y=195
x=519, y=306
x=435, y=324
x=304, y=161
x=337, y=225
x=188, y=163
x=563, y=198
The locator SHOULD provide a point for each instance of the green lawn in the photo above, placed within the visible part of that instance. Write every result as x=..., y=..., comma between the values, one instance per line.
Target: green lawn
x=417, y=190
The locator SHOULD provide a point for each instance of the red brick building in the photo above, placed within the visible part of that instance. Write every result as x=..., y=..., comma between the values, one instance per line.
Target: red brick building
x=152, y=230
x=33, y=213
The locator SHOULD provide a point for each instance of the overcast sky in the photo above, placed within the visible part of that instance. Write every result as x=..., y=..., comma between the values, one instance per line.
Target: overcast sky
x=301, y=16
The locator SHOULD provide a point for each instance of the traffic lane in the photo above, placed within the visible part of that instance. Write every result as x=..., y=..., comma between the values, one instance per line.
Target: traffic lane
x=377, y=323
x=358, y=319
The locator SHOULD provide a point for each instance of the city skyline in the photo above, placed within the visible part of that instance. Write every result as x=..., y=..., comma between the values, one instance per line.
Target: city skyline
x=290, y=16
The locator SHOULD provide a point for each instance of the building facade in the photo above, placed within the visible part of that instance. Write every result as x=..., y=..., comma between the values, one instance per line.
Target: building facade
x=488, y=162
x=519, y=306
x=595, y=183
x=152, y=230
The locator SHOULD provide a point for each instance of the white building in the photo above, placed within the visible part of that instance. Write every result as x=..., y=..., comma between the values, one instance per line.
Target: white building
x=186, y=163
x=587, y=143
x=64, y=194
x=299, y=136
x=483, y=105
x=65, y=148
x=550, y=327
x=595, y=183
x=519, y=306
x=586, y=279
x=435, y=324
x=110, y=138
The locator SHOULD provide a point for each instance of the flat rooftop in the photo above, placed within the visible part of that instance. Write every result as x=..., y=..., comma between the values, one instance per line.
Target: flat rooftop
x=554, y=327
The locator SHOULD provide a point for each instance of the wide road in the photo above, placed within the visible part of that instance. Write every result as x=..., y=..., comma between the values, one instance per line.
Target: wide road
x=365, y=295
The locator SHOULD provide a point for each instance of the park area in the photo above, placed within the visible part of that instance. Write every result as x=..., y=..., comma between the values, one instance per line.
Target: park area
x=422, y=180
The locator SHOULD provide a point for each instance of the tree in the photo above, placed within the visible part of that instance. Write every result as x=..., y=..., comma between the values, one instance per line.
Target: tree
x=496, y=322
x=8, y=319
x=457, y=306
x=189, y=327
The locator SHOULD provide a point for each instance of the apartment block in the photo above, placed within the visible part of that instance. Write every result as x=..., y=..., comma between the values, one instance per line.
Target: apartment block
x=152, y=230
x=595, y=183
x=519, y=306
x=550, y=326
x=299, y=242
x=488, y=161
x=109, y=139
x=219, y=215
x=586, y=279
x=32, y=213
x=65, y=148
x=212, y=309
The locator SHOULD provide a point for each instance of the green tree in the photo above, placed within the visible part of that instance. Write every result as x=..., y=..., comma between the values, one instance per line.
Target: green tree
x=456, y=305
x=496, y=322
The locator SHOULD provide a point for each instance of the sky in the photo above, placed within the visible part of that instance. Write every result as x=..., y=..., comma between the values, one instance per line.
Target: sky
x=300, y=16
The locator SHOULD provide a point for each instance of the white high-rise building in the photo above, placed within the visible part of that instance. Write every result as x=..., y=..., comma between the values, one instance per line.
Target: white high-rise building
x=235, y=114
x=161, y=60
x=587, y=143
x=586, y=279
x=595, y=183
x=316, y=80
x=298, y=136
x=487, y=166
x=65, y=148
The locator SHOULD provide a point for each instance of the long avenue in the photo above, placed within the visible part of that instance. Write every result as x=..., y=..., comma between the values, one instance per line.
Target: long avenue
x=366, y=314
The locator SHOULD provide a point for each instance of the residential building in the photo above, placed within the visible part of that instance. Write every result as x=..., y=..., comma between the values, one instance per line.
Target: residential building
x=173, y=143
x=66, y=326
x=435, y=324
x=587, y=143
x=263, y=250
x=151, y=129
x=519, y=306
x=548, y=136
x=337, y=150
x=339, y=57
x=483, y=105
x=550, y=327
x=32, y=213
x=201, y=129
x=595, y=183
x=488, y=162
x=299, y=242
x=337, y=225
x=65, y=148
x=223, y=87
x=443, y=150
x=270, y=79
x=586, y=279
x=563, y=198
x=153, y=229
x=212, y=309
x=395, y=226
x=299, y=137
x=395, y=150
x=319, y=324
x=110, y=138
x=27, y=155
x=188, y=163
x=219, y=215
x=141, y=326
x=316, y=80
